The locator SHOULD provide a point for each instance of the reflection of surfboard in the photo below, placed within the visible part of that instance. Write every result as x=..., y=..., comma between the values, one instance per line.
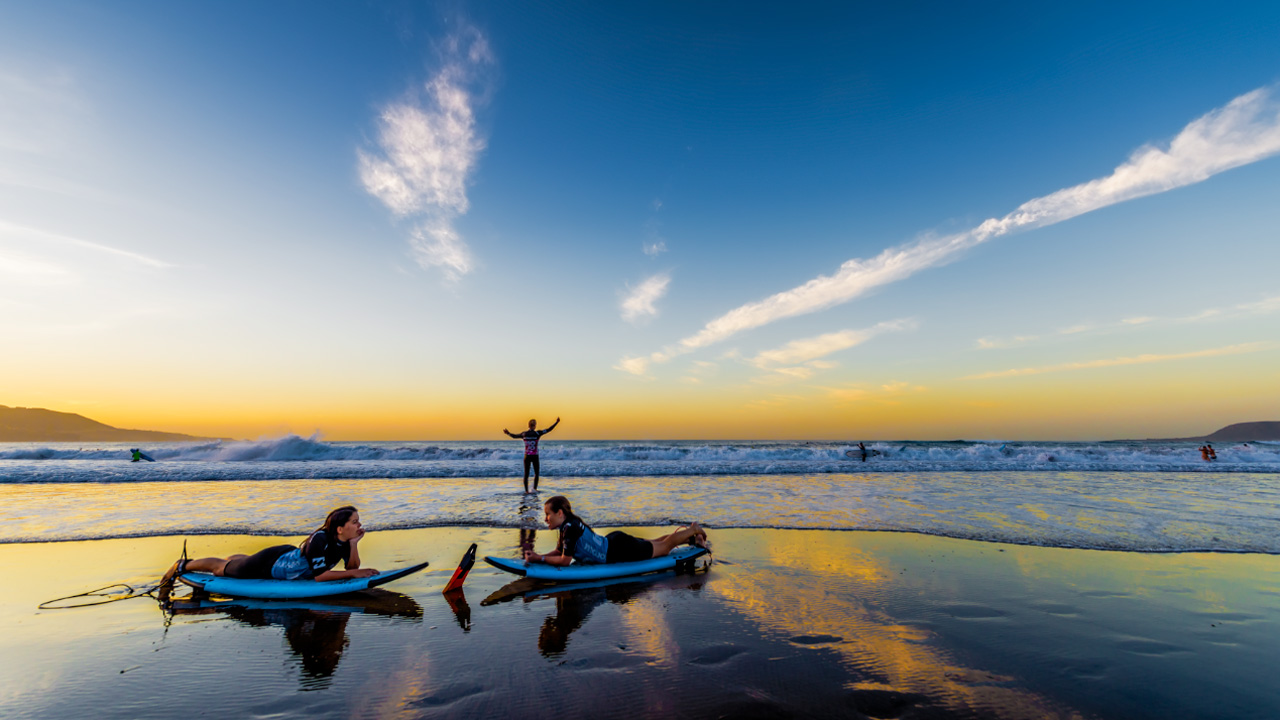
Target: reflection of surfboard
x=375, y=601
x=529, y=589
x=580, y=573
x=289, y=589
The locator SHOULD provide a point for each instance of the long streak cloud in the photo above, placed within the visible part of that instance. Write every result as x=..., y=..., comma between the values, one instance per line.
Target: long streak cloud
x=1243, y=131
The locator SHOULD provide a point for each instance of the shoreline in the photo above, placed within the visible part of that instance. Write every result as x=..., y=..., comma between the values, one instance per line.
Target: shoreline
x=786, y=622
x=642, y=528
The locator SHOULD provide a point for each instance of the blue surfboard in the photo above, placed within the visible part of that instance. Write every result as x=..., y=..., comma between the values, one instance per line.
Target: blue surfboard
x=289, y=589
x=582, y=573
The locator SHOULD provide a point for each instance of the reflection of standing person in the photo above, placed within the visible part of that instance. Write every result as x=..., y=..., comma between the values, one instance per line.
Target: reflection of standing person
x=531, y=437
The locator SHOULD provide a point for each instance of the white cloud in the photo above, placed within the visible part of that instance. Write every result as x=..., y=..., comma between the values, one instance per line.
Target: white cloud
x=23, y=232
x=639, y=302
x=428, y=148
x=437, y=244
x=633, y=365
x=1113, y=362
x=1264, y=306
x=885, y=394
x=1244, y=131
x=654, y=249
x=807, y=349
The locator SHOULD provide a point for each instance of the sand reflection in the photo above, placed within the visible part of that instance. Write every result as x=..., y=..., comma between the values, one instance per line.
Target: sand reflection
x=822, y=590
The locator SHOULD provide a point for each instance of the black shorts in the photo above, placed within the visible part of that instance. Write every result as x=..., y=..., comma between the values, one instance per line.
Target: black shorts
x=256, y=566
x=627, y=548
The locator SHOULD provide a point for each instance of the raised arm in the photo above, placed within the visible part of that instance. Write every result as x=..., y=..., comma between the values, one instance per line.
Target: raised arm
x=553, y=427
x=510, y=434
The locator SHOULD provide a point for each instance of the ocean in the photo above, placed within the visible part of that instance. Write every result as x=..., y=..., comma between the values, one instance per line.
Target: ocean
x=1139, y=496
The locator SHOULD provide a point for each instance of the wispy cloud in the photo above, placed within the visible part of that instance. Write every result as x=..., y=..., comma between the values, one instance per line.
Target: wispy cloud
x=39, y=112
x=655, y=248
x=888, y=393
x=640, y=301
x=428, y=147
x=1113, y=362
x=1244, y=131
x=33, y=271
x=810, y=349
x=34, y=267
x=1261, y=307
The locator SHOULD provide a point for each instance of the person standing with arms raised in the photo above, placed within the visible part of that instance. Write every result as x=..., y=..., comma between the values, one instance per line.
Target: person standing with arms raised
x=531, y=437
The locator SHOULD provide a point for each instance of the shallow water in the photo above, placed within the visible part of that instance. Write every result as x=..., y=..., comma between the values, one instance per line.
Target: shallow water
x=790, y=623
x=1232, y=512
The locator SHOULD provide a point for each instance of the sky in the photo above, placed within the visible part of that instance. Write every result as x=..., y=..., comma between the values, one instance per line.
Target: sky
x=400, y=221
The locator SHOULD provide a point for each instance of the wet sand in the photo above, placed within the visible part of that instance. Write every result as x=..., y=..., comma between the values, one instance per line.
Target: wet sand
x=787, y=623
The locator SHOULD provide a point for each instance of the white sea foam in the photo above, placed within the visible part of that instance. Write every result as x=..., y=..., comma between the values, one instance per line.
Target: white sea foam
x=293, y=457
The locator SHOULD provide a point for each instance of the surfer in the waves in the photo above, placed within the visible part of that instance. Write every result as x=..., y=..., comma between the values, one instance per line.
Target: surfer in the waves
x=337, y=539
x=531, y=437
x=578, y=541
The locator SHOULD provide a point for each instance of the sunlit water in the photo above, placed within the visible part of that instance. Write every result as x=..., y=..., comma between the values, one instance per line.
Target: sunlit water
x=1112, y=496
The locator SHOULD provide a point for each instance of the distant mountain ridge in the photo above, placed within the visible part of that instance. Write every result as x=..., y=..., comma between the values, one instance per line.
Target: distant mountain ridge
x=20, y=424
x=1239, y=432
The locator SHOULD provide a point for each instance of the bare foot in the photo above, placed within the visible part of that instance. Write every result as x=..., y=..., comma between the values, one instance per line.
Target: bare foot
x=166, y=585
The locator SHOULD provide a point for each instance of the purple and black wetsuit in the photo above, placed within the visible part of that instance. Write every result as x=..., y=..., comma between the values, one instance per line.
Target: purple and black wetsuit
x=531, y=438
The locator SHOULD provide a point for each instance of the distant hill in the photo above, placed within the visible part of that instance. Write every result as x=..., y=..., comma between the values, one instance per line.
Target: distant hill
x=1239, y=432
x=1244, y=432
x=18, y=424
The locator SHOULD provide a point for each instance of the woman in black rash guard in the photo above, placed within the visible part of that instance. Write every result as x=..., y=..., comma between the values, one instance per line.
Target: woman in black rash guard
x=338, y=539
x=579, y=542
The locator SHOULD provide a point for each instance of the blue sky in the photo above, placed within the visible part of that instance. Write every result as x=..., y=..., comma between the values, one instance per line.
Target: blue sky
x=407, y=220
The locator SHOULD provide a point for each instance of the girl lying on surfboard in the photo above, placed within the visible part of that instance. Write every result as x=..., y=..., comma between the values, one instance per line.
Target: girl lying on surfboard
x=578, y=541
x=337, y=539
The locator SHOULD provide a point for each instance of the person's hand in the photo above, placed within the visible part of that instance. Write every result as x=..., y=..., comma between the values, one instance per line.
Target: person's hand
x=364, y=572
x=359, y=536
x=508, y=432
x=531, y=556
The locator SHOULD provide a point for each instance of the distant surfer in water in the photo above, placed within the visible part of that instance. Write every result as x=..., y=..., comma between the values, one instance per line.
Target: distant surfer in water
x=531, y=437
x=578, y=541
x=314, y=559
x=863, y=449
x=1207, y=453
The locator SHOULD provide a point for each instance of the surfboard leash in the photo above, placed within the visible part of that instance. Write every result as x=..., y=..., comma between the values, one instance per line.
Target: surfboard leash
x=130, y=592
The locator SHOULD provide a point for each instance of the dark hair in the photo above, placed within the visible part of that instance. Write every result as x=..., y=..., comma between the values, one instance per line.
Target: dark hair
x=559, y=502
x=336, y=519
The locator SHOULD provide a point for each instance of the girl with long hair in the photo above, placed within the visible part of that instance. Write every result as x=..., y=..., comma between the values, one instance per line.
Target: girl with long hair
x=314, y=559
x=579, y=542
